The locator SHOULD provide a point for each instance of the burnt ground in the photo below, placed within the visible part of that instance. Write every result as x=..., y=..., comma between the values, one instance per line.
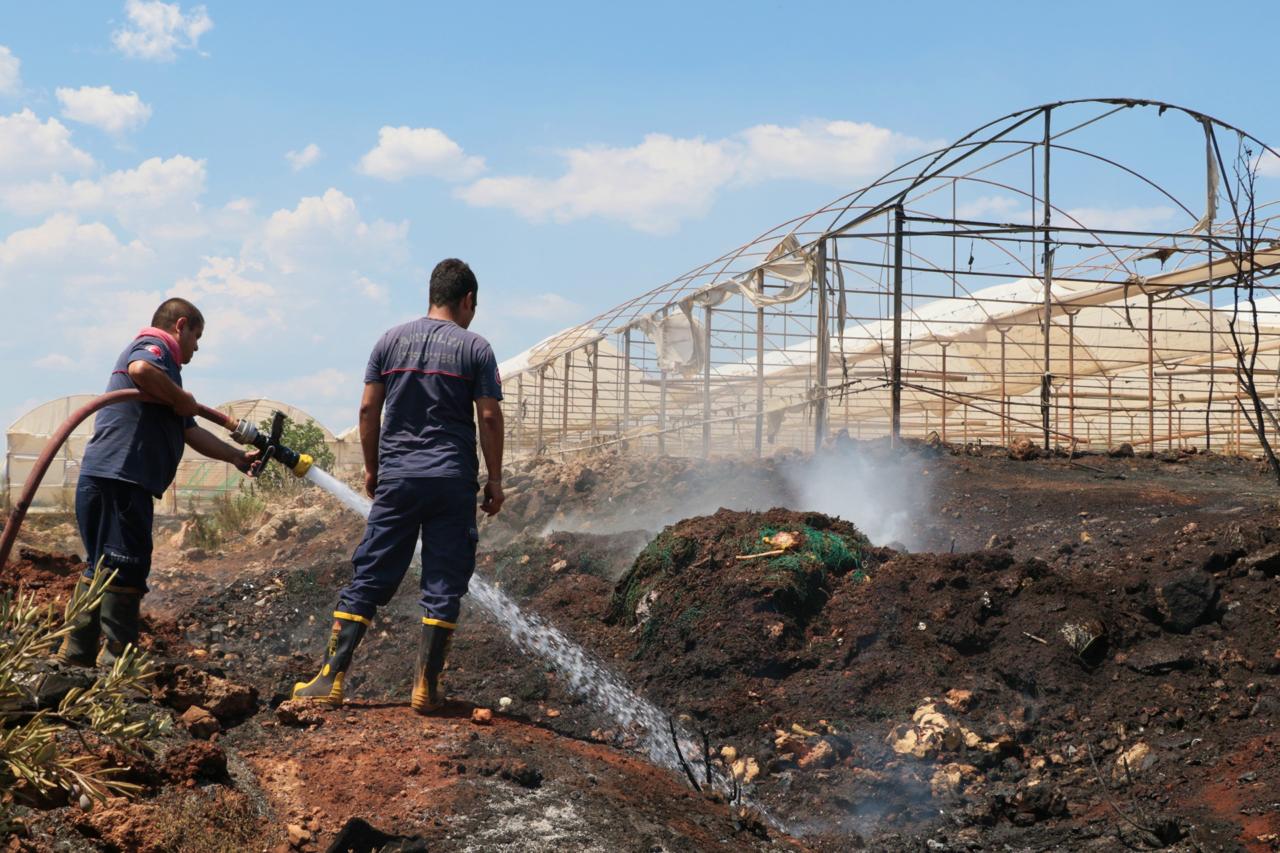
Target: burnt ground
x=1081, y=654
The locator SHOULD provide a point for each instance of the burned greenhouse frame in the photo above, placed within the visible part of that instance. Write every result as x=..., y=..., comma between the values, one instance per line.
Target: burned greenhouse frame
x=976, y=293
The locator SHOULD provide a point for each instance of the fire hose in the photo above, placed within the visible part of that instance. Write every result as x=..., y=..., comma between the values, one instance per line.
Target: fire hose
x=243, y=431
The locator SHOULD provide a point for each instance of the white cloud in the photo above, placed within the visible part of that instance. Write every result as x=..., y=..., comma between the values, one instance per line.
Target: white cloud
x=56, y=361
x=404, y=152
x=652, y=186
x=1155, y=218
x=104, y=109
x=994, y=208
x=665, y=180
x=1269, y=165
x=326, y=230
x=299, y=160
x=237, y=303
x=63, y=250
x=29, y=146
x=822, y=151
x=544, y=306
x=223, y=276
x=97, y=325
x=328, y=383
x=10, y=72
x=373, y=291
x=160, y=197
x=1001, y=208
x=157, y=31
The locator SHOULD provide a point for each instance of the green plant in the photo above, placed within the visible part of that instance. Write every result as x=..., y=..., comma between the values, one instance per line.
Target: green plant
x=304, y=438
x=232, y=514
x=44, y=750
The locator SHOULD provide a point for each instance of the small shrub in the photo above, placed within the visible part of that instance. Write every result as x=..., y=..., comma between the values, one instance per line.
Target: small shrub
x=304, y=438
x=206, y=821
x=231, y=515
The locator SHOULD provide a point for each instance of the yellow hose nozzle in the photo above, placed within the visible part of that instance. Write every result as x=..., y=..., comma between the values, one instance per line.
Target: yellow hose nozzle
x=303, y=466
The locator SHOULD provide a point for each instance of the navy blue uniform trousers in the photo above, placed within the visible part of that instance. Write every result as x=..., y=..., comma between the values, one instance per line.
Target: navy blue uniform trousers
x=439, y=510
x=115, y=524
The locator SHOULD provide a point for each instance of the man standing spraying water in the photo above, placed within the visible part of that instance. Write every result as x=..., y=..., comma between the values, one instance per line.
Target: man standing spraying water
x=132, y=458
x=421, y=469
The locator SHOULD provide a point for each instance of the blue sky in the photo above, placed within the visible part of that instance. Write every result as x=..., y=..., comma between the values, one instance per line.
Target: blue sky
x=574, y=154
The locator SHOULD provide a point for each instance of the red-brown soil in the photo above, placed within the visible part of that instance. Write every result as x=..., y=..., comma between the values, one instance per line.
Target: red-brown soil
x=1158, y=733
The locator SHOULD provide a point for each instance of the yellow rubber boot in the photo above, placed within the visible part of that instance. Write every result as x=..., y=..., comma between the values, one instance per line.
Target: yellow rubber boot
x=326, y=687
x=433, y=648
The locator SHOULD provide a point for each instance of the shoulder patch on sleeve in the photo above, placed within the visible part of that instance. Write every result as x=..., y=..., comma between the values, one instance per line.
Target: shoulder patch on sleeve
x=154, y=350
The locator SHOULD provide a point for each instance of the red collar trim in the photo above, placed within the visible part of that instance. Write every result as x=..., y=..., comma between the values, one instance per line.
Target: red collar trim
x=169, y=340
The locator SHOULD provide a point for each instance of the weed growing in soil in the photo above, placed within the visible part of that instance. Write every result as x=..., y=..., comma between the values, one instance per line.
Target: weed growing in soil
x=38, y=757
x=205, y=821
x=232, y=515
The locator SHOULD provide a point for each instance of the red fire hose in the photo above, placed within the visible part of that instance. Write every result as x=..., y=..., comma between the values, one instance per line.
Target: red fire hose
x=19, y=511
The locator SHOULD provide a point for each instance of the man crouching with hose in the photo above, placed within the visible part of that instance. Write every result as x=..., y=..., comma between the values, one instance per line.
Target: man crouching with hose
x=421, y=469
x=131, y=459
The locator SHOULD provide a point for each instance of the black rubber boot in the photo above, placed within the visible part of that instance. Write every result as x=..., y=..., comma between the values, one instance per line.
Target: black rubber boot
x=80, y=647
x=433, y=648
x=120, y=614
x=348, y=631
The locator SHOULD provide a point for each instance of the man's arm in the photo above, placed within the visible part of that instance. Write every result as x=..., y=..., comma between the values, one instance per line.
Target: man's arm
x=153, y=382
x=489, y=419
x=206, y=443
x=375, y=393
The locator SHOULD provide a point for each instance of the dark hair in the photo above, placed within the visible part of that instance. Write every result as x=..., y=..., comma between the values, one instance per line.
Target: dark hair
x=172, y=310
x=450, y=281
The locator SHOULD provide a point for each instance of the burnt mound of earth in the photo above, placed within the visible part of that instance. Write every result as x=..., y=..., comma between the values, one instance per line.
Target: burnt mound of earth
x=736, y=592
x=864, y=689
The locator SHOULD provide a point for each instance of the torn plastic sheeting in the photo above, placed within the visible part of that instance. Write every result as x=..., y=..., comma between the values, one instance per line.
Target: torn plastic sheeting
x=787, y=261
x=678, y=339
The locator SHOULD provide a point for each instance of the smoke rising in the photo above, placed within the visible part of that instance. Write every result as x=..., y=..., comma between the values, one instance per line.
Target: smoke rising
x=882, y=492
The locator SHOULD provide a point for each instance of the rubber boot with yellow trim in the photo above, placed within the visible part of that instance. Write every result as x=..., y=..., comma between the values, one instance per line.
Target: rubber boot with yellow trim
x=120, y=615
x=80, y=647
x=433, y=647
x=348, y=631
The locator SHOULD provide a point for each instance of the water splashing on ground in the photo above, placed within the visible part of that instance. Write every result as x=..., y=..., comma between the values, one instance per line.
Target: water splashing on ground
x=586, y=677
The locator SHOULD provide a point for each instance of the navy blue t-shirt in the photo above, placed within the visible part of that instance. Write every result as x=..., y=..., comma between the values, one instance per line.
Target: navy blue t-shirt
x=433, y=371
x=139, y=443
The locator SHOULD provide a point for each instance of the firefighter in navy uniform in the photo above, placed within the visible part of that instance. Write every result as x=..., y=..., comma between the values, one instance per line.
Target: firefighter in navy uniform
x=418, y=434
x=131, y=460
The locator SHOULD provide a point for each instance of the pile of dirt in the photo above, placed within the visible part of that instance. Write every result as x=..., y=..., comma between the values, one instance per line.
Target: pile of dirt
x=50, y=575
x=736, y=592
x=984, y=684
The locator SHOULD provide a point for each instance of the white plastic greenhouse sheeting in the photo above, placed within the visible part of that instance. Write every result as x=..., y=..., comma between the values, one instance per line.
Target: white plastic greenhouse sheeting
x=197, y=478
x=1109, y=340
